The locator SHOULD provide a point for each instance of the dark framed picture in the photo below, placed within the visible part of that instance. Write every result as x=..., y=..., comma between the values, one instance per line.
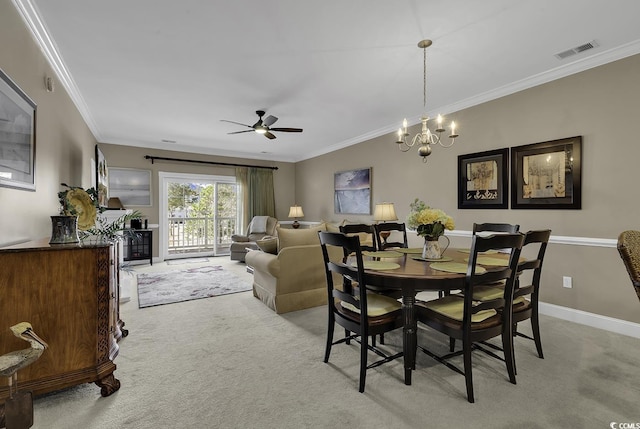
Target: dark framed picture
x=483, y=180
x=547, y=175
x=102, y=179
x=352, y=191
x=17, y=137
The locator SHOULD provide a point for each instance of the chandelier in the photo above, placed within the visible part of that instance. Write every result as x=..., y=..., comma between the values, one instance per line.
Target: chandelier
x=426, y=138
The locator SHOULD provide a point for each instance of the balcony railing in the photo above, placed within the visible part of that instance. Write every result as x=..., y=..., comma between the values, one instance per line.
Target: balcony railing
x=200, y=234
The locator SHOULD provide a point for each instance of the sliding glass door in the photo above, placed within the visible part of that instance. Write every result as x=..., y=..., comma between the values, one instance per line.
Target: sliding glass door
x=198, y=215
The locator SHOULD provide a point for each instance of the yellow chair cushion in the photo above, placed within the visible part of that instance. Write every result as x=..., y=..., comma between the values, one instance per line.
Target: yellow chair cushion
x=377, y=305
x=453, y=307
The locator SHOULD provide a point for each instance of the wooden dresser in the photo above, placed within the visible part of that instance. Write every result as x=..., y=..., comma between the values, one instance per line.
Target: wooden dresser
x=69, y=293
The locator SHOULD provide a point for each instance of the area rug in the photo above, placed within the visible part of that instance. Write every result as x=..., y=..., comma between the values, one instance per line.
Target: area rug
x=184, y=285
x=186, y=261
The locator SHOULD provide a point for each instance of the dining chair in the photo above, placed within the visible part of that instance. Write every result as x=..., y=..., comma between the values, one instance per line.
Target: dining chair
x=524, y=308
x=362, y=230
x=360, y=312
x=629, y=249
x=461, y=317
x=495, y=227
x=383, y=230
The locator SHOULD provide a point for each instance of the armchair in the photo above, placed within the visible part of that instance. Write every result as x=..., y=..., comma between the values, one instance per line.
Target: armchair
x=257, y=229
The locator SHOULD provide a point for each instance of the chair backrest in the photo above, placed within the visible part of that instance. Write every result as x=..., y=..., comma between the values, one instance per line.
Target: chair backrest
x=479, y=244
x=629, y=249
x=351, y=294
x=531, y=239
x=361, y=229
x=495, y=227
x=389, y=227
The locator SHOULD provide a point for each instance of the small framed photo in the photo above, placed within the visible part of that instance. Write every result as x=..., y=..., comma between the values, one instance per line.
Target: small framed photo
x=547, y=175
x=132, y=186
x=482, y=180
x=17, y=137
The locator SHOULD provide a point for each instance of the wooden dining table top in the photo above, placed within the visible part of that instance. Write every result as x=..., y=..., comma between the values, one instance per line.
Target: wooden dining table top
x=419, y=274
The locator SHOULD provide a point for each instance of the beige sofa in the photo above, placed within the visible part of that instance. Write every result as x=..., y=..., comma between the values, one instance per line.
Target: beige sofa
x=293, y=278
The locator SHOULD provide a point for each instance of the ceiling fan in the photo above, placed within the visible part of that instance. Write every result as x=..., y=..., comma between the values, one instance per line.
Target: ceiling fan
x=263, y=126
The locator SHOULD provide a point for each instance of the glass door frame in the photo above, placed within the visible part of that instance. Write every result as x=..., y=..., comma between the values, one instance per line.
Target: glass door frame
x=166, y=177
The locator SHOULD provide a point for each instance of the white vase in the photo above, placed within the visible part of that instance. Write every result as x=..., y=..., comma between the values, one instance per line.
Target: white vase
x=432, y=249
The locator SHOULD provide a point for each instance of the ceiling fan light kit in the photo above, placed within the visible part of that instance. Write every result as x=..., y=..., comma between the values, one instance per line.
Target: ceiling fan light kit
x=425, y=137
x=263, y=126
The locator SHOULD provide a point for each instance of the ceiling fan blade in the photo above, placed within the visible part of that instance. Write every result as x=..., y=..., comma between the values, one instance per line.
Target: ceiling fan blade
x=287, y=130
x=237, y=123
x=245, y=131
x=270, y=120
x=269, y=135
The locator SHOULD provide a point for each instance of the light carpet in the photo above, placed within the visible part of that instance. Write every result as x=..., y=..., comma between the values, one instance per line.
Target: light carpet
x=186, y=261
x=168, y=287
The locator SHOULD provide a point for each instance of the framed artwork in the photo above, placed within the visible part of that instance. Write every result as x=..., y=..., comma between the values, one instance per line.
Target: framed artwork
x=482, y=180
x=17, y=137
x=132, y=186
x=547, y=175
x=352, y=191
x=102, y=178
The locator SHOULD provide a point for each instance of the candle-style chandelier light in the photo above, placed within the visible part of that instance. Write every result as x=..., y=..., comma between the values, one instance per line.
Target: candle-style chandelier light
x=426, y=138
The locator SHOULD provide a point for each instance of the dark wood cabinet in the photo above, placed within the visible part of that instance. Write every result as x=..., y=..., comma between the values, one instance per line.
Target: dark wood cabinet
x=70, y=295
x=140, y=247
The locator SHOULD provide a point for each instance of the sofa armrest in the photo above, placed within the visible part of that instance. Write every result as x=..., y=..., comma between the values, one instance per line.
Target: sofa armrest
x=263, y=262
x=240, y=238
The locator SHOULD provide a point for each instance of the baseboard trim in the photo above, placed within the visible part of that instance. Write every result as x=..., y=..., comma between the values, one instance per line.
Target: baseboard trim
x=591, y=319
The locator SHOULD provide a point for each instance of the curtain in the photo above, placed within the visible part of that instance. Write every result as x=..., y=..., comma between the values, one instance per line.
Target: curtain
x=256, y=193
x=242, y=180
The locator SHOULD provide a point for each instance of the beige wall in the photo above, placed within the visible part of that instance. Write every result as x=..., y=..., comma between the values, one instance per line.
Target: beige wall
x=133, y=157
x=64, y=144
x=600, y=104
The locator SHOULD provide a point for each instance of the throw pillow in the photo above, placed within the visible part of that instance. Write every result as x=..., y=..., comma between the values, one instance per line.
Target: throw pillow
x=268, y=245
x=298, y=237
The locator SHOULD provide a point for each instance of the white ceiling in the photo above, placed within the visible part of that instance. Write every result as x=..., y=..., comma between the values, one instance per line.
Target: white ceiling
x=345, y=71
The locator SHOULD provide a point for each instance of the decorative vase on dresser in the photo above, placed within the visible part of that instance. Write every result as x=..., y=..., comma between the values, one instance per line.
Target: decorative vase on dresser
x=69, y=293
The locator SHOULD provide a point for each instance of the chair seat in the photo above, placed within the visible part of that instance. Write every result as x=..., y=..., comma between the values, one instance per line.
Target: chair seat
x=452, y=307
x=377, y=305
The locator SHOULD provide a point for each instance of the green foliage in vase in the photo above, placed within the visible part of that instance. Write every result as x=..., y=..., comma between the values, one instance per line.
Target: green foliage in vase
x=112, y=232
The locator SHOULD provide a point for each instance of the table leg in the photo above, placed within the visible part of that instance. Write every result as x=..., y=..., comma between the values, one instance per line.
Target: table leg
x=410, y=335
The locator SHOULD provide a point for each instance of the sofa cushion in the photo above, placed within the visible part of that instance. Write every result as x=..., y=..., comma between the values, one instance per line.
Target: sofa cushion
x=268, y=244
x=299, y=237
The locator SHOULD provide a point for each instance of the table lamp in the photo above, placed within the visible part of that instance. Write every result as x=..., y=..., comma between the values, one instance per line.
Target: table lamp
x=383, y=213
x=295, y=212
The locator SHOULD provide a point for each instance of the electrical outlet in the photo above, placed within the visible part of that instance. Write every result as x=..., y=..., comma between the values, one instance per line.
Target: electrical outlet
x=566, y=282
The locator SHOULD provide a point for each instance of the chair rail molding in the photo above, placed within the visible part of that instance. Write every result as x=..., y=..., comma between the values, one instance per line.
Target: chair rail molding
x=557, y=239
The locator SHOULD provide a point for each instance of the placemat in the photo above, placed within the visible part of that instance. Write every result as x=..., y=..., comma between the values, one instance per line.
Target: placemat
x=488, y=252
x=378, y=265
x=455, y=267
x=493, y=262
x=409, y=250
x=443, y=259
x=383, y=254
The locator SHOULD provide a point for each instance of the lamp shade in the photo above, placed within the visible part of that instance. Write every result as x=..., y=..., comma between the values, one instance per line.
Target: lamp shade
x=295, y=211
x=384, y=212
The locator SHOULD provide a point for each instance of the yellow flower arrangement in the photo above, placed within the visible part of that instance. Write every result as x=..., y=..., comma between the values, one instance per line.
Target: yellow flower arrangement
x=428, y=222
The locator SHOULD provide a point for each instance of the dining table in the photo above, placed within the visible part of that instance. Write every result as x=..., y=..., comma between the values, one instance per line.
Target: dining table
x=406, y=271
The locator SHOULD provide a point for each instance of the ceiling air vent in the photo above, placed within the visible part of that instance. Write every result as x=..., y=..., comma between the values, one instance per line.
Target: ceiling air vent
x=573, y=51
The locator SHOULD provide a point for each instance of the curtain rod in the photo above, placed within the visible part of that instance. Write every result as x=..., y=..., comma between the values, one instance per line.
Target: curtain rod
x=195, y=161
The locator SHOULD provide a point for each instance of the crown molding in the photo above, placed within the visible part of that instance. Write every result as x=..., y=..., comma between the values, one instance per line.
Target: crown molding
x=31, y=16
